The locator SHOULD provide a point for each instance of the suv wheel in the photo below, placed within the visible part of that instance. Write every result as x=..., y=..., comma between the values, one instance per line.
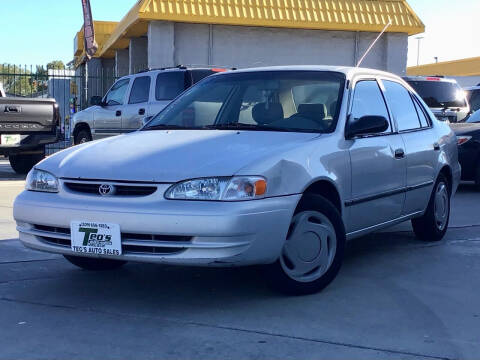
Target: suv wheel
x=94, y=264
x=313, y=252
x=433, y=225
x=82, y=136
x=22, y=164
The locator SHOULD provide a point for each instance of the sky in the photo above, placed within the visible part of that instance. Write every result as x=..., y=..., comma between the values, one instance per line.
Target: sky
x=42, y=31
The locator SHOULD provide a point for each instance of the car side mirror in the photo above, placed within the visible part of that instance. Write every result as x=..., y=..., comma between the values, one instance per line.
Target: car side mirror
x=366, y=125
x=96, y=101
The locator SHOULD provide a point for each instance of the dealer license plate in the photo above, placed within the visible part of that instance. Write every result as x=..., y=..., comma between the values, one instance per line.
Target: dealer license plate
x=96, y=238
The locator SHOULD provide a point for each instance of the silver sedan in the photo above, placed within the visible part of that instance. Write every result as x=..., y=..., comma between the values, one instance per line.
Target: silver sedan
x=271, y=166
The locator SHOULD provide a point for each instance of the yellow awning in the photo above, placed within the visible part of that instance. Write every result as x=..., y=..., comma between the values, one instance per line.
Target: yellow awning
x=103, y=31
x=347, y=15
x=463, y=67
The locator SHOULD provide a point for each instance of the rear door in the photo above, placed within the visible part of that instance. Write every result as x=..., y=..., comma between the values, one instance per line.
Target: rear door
x=108, y=119
x=378, y=172
x=421, y=147
x=138, y=103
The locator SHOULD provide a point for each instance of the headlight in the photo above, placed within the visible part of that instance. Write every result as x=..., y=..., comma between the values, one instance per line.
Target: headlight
x=219, y=189
x=39, y=180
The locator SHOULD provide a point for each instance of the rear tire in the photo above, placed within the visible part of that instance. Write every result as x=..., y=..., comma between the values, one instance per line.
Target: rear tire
x=313, y=251
x=92, y=264
x=22, y=164
x=82, y=137
x=433, y=225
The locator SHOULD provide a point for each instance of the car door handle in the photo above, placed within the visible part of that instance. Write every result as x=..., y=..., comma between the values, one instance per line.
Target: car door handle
x=141, y=112
x=436, y=146
x=399, y=154
x=118, y=113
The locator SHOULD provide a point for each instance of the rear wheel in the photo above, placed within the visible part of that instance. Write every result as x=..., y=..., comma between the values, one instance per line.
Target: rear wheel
x=22, y=163
x=433, y=225
x=82, y=137
x=95, y=264
x=313, y=252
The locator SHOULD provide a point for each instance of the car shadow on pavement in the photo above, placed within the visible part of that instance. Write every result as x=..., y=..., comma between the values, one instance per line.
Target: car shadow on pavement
x=7, y=173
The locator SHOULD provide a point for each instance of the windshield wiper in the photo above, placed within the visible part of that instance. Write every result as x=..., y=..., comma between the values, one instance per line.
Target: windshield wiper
x=168, y=127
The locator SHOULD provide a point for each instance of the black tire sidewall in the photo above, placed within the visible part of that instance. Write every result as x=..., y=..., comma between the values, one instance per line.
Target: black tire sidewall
x=277, y=277
x=22, y=164
x=82, y=134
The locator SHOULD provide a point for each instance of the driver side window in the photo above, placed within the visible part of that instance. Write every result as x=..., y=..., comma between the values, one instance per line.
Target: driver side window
x=368, y=101
x=116, y=95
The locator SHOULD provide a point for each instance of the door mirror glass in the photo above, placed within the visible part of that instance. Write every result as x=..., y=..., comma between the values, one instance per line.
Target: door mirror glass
x=367, y=125
x=96, y=101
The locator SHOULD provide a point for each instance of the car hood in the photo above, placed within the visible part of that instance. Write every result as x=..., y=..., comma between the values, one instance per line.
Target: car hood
x=171, y=156
x=465, y=128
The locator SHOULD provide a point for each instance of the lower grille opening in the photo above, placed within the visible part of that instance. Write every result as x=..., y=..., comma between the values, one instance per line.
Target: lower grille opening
x=52, y=229
x=55, y=241
x=151, y=250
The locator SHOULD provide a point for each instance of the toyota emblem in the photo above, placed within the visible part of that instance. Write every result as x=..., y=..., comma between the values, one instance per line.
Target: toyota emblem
x=106, y=189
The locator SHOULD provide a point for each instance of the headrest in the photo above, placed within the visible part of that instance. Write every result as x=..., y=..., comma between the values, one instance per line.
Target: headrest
x=314, y=111
x=266, y=113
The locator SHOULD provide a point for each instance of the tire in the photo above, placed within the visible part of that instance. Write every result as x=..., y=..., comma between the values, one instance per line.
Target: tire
x=432, y=227
x=92, y=264
x=82, y=136
x=314, y=213
x=477, y=175
x=22, y=164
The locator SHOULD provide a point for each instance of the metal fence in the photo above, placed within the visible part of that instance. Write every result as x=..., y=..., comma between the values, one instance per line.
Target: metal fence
x=66, y=86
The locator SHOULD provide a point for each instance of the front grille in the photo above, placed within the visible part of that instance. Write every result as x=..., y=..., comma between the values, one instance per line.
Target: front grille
x=144, y=243
x=120, y=190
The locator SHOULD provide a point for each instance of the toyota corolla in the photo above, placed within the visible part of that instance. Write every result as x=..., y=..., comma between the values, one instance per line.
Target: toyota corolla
x=271, y=166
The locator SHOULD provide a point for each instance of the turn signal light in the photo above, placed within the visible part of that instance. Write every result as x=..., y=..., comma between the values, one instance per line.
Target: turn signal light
x=462, y=139
x=260, y=187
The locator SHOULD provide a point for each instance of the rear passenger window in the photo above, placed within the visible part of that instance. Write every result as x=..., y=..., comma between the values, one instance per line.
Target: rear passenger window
x=169, y=85
x=421, y=114
x=368, y=101
x=140, y=90
x=401, y=105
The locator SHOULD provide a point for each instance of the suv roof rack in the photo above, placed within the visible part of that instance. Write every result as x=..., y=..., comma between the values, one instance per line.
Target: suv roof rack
x=185, y=67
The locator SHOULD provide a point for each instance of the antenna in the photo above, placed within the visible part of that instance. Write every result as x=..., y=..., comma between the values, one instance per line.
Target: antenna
x=374, y=42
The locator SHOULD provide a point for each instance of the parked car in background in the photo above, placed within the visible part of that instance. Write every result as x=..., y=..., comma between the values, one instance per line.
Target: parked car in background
x=276, y=166
x=473, y=117
x=444, y=96
x=473, y=97
x=132, y=100
x=26, y=126
x=468, y=137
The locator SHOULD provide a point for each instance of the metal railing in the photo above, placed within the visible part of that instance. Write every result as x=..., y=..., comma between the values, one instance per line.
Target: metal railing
x=66, y=86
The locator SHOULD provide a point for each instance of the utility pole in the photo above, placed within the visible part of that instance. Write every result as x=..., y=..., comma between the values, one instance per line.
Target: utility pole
x=419, y=39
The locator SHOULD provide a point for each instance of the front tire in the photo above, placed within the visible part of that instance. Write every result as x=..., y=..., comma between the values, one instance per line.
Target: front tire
x=93, y=264
x=82, y=137
x=313, y=252
x=22, y=164
x=433, y=225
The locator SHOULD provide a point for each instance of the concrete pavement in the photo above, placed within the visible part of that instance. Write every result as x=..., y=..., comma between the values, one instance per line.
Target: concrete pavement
x=395, y=298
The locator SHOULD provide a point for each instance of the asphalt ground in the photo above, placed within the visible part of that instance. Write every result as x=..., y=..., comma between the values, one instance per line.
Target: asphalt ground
x=395, y=298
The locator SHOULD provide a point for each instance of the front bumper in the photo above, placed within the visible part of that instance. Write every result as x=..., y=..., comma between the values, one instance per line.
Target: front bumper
x=182, y=232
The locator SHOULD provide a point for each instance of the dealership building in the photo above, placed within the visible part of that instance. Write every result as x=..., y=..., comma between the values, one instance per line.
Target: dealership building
x=251, y=33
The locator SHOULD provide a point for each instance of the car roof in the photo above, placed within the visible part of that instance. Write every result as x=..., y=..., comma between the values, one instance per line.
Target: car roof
x=472, y=88
x=436, y=78
x=349, y=71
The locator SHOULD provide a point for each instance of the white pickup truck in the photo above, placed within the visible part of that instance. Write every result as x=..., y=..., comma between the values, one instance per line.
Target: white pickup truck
x=132, y=99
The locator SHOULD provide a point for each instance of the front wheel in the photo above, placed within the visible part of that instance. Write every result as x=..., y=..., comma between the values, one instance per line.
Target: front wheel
x=82, y=137
x=93, y=264
x=313, y=252
x=433, y=225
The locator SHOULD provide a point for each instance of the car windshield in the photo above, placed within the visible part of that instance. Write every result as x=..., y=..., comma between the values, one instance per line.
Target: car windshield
x=440, y=94
x=303, y=101
x=473, y=118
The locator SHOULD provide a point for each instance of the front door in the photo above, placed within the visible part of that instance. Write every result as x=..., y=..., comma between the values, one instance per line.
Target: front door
x=138, y=104
x=377, y=165
x=108, y=118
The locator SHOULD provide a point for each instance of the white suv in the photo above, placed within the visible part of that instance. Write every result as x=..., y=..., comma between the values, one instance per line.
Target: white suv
x=132, y=100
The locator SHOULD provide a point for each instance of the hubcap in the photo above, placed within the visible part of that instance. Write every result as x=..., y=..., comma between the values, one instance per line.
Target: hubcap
x=310, y=247
x=83, y=140
x=441, y=206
